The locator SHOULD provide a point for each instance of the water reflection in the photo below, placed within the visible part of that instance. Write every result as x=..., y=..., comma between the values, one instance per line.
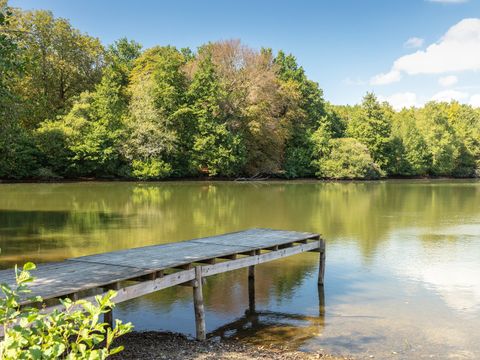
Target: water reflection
x=275, y=328
x=447, y=263
x=403, y=256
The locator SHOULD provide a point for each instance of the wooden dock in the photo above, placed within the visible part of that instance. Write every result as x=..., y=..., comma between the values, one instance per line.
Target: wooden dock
x=140, y=271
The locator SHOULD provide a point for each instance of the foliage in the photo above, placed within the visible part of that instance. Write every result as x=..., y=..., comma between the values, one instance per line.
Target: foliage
x=441, y=139
x=79, y=139
x=58, y=63
x=371, y=126
x=85, y=141
x=71, y=108
x=150, y=169
x=157, y=91
x=413, y=156
x=307, y=111
x=216, y=150
x=18, y=154
x=75, y=333
x=348, y=159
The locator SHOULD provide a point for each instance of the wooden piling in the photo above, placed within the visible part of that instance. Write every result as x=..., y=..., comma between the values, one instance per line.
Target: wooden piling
x=321, y=301
x=251, y=289
x=198, y=305
x=321, y=265
x=108, y=316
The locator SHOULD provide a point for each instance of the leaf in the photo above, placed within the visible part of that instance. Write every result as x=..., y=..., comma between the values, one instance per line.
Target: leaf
x=117, y=350
x=29, y=266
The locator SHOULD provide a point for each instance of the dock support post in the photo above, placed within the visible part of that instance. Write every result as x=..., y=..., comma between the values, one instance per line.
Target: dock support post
x=251, y=289
x=321, y=265
x=108, y=318
x=198, y=305
x=321, y=302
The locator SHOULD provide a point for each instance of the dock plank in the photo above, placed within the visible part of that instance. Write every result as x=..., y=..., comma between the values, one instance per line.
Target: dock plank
x=92, y=271
x=160, y=257
x=257, y=239
x=67, y=277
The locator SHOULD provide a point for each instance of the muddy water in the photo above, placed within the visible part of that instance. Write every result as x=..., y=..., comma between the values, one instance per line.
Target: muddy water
x=403, y=257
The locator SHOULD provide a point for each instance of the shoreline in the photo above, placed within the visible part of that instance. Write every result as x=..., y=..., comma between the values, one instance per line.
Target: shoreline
x=174, y=346
x=221, y=179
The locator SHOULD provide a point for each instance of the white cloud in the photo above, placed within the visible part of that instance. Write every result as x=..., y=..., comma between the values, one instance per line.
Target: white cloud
x=449, y=95
x=401, y=100
x=475, y=100
x=388, y=78
x=449, y=1
x=447, y=81
x=413, y=42
x=457, y=50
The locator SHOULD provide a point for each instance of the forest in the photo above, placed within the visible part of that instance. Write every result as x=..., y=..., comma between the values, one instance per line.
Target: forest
x=73, y=108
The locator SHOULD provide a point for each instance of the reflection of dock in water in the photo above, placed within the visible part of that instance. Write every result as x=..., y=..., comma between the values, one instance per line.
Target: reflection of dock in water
x=141, y=271
x=260, y=327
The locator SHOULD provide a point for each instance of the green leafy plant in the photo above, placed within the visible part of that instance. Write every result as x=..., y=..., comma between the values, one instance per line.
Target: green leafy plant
x=76, y=332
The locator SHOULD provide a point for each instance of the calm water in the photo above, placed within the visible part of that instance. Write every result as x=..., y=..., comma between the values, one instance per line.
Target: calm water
x=403, y=257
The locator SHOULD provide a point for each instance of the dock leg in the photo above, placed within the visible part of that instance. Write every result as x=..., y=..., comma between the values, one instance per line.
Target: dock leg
x=321, y=302
x=321, y=265
x=108, y=318
x=198, y=305
x=251, y=289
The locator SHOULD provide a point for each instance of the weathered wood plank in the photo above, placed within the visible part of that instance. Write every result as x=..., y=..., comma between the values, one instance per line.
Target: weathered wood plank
x=164, y=256
x=96, y=271
x=147, y=287
x=259, y=238
x=69, y=277
x=159, y=257
x=143, y=288
x=209, y=270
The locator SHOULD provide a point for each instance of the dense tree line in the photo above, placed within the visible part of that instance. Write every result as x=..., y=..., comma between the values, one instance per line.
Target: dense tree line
x=70, y=108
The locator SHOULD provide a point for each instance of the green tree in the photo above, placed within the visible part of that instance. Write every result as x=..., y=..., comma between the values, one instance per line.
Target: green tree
x=347, y=159
x=86, y=141
x=305, y=102
x=443, y=144
x=59, y=63
x=252, y=102
x=371, y=125
x=86, y=144
x=216, y=150
x=413, y=156
x=69, y=107
x=466, y=123
x=157, y=95
x=18, y=153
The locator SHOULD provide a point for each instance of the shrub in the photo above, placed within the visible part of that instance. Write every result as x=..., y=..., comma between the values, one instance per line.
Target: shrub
x=150, y=169
x=45, y=173
x=18, y=154
x=348, y=159
x=75, y=333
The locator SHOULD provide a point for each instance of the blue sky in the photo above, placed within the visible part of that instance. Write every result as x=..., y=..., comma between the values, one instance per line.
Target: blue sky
x=347, y=46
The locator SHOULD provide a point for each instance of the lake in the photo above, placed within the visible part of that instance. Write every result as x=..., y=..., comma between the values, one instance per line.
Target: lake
x=403, y=257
